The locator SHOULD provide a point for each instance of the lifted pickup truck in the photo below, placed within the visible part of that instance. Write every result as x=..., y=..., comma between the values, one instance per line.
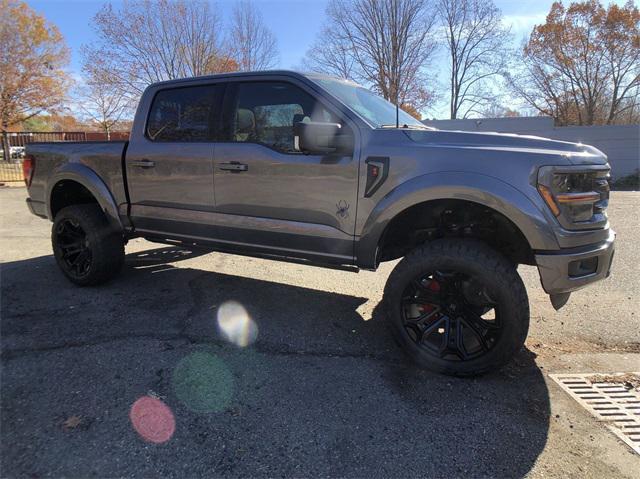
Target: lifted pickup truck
x=314, y=169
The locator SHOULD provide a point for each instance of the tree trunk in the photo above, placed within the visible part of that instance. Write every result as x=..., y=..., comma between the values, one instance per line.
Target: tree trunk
x=5, y=145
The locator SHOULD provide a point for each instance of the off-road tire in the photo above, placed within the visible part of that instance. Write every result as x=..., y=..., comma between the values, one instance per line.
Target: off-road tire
x=469, y=257
x=104, y=244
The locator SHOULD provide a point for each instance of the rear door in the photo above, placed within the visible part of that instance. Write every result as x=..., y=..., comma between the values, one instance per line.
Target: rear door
x=271, y=196
x=169, y=165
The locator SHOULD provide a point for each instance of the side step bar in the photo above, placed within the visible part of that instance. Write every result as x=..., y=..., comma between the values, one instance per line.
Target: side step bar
x=286, y=259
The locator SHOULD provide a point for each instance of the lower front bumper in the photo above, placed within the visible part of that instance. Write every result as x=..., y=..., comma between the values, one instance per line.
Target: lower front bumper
x=560, y=271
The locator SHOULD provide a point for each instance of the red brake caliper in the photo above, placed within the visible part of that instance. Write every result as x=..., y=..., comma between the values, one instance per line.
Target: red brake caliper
x=434, y=286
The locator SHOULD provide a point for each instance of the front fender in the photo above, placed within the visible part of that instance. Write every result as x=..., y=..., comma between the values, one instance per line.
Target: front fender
x=478, y=188
x=91, y=181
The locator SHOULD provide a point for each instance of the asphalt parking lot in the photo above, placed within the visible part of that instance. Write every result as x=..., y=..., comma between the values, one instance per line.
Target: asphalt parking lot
x=316, y=386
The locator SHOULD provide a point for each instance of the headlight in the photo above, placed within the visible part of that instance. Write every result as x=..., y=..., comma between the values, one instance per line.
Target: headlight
x=577, y=197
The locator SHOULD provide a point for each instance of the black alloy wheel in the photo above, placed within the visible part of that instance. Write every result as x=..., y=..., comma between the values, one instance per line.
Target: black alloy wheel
x=73, y=244
x=88, y=249
x=450, y=315
x=457, y=307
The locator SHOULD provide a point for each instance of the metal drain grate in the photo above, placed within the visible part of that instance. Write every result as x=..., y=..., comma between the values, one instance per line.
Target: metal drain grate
x=610, y=402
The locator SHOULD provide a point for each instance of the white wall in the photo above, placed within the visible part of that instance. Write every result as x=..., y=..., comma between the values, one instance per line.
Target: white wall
x=621, y=143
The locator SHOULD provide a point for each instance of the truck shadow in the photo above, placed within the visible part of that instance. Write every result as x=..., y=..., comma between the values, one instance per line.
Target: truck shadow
x=310, y=388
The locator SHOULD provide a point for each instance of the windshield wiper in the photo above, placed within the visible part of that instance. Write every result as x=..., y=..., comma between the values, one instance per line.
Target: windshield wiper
x=407, y=127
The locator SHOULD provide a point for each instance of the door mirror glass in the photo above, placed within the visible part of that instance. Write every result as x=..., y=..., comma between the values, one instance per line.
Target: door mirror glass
x=316, y=137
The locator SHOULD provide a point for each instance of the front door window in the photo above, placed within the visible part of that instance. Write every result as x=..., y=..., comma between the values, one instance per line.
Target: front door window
x=265, y=113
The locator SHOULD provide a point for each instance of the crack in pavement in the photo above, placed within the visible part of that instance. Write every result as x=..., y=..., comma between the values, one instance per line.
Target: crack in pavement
x=263, y=348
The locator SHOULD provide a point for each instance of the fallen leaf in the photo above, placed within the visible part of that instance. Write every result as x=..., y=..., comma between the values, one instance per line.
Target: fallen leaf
x=72, y=422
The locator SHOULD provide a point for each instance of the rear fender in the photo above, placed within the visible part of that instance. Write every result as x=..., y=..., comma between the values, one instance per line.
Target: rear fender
x=481, y=189
x=92, y=182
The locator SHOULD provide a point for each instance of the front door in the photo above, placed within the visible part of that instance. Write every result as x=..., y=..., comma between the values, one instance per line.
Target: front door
x=272, y=196
x=170, y=167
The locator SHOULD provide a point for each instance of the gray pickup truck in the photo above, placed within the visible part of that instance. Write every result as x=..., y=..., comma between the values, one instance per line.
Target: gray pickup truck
x=317, y=170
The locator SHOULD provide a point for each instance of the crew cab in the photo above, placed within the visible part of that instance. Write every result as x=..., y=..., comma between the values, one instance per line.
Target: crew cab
x=308, y=168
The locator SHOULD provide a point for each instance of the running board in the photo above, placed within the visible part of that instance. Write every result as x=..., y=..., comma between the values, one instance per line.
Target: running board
x=273, y=257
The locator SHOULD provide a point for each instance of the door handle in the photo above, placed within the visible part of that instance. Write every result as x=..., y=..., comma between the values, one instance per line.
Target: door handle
x=234, y=166
x=143, y=163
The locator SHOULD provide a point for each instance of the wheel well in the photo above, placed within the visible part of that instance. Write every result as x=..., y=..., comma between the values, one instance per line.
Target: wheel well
x=68, y=192
x=453, y=218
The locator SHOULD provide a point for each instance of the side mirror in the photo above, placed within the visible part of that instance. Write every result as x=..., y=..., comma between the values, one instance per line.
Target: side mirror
x=319, y=137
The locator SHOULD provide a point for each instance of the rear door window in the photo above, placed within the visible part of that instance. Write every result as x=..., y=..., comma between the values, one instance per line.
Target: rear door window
x=185, y=114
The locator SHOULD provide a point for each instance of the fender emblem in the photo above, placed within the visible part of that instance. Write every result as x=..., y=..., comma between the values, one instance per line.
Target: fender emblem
x=343, y=209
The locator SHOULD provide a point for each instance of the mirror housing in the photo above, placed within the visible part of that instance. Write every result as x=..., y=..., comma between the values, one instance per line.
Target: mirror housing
x=318, y=137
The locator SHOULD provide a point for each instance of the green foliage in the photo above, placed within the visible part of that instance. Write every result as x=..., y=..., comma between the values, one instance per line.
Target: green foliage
x=628, y=183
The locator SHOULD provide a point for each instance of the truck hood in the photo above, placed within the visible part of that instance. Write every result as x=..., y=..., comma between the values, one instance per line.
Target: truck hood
x=574, y=153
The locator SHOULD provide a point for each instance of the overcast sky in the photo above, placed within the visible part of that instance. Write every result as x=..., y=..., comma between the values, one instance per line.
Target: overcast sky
x=294, y=22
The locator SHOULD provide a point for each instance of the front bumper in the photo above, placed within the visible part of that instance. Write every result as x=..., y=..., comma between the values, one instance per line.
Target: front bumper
x=560, y=271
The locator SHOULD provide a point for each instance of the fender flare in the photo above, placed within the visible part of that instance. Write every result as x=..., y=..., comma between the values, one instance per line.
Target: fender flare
x=88, y=178
x=477, y=188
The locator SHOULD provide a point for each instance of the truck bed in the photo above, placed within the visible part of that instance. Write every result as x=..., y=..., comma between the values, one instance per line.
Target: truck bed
x=105, y=158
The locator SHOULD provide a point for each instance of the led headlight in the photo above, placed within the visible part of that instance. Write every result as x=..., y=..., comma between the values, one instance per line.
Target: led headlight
x=578, y=197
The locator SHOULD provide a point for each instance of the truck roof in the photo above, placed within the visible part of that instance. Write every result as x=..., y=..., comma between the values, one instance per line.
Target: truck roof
x=291, y=73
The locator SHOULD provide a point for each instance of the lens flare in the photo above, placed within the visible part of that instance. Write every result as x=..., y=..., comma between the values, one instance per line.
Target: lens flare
x=235, y=324
x=203, y=383
x=152, y=419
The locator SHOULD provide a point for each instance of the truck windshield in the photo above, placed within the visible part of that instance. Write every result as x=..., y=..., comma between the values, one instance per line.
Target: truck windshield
x=379, y=112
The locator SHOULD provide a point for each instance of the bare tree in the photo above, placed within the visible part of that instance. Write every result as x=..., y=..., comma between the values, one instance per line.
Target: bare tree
x=385, y=44
x=253, y=45
x=476, y=43
x=332, y=57
x=104, y=105
x=148, y=41
x=498, y=110
x=332, y=54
